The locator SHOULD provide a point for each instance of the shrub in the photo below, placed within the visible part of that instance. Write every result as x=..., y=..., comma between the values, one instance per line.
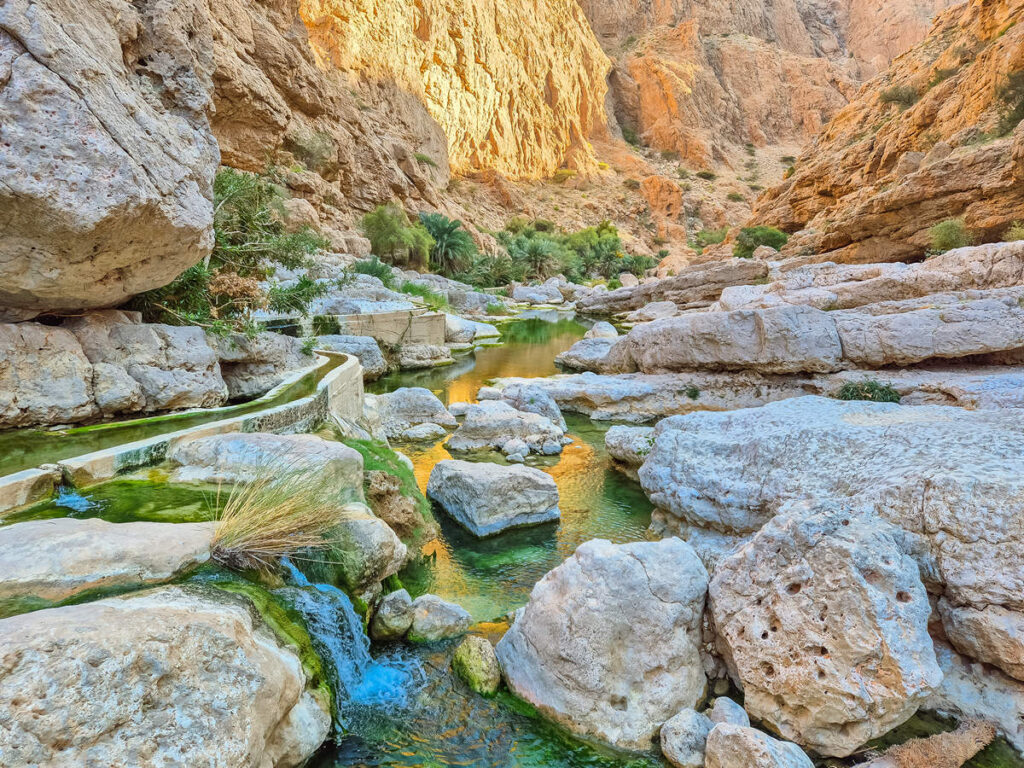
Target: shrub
x=314, y=149
x=707, y=175
x=277, y=514
x=708, y=237
x=391, y=234
x=1015, y=231
x=787, y=160
x=1011, y=98
x=750, y=149
x=683, y=173
x=629, y=136
x=789, y=172
x=562, y=175
x=669, y=154
x=425, y=159
x=903, y=95
x=496, y=308
x=453, y=249
x=221, y=293
x=631, y=184
x=432, y=299
x=949, y=234
x=613, y=283
x=736, y=197
x=377, y=268
x=751, y=238
x=692, y=392
x=869, y=389
x=637, y=264
x=309, y=345
x=941, y=75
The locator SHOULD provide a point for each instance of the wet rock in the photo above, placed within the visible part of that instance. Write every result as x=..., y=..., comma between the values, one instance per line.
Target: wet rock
x=253, y=366
x=725, y=710
x=108, y=681
x=602, y=330
x=385, y=497
x=538, y=294
x=427, y=432
x=366, y=548
x=530, y=398
x=408, y=406
x=516, y=446
x=434, y=619
x=75, y=105
x=683, y=739
x=608, y=645
x=987, y=633
x=823, y=622
x=476, y=663
x=733, y=746
x=629, y=447
x=411, y=357
x=393, y=617
x=365, y=348
x=239, y=457
x=491, y=424
x=54, y=559
x=490, y=498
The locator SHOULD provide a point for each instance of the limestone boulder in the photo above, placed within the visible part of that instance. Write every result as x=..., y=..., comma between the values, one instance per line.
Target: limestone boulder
x=656, y=310
x=408, y=406
x=628, y=447
x=530, y=398
x=365, y=348
x=239, y=457
x=176, y=676
x=393, y=617
x=490, y=498
x=823, y=622
x=601, y=330
x=360, y=294
x=45, y=377
x=492, y=423
x=424, y=433
x=588, y=354
x=254, y=365
x=790, y=339
x=725, y=710
x=538, y=294
x=51, y=560
x=367, y=550
x=434, y=619
x=683, y=738
x=608, y=645
x=952, y=480
x=987, y=633
x=733, y=746
x=459, y=330
x=477, y=664
x=413, y=357
x=108, y=156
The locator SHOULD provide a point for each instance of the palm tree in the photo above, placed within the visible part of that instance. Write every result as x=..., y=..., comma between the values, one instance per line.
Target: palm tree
x=453, y=248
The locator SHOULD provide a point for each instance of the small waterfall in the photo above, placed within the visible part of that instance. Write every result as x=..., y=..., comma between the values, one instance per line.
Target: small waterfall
x=360, y=681
x=73, y=500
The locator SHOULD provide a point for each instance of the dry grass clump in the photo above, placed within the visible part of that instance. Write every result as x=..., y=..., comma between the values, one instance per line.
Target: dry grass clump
x=943, y=750
x=275, y=515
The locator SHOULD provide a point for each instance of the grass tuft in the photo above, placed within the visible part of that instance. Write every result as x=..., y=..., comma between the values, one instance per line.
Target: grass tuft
x=869, y=390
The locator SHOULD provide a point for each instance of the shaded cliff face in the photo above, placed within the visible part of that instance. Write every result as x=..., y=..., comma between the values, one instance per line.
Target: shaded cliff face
x=517, y=87
x=927, y=141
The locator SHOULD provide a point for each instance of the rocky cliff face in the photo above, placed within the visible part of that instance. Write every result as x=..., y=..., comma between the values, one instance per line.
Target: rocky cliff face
x=927, y=141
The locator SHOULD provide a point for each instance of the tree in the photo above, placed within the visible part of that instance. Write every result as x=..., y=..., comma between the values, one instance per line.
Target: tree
x=392, y=235
x=454, y=249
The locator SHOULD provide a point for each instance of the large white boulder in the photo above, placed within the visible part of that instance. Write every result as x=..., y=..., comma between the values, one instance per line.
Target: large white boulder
x=532, y=398
x=107, y=159
x=823, y=622
x=407, y=406
x=459, y=330
x=238, y=457
x=52, y=560
x=608, y=645
x=365, y=348
x=493, y=423
x=165, y=677
x=489, y=498
x=588, y=354
x=538, y=294
x=683, y=738
x=734, y=746
x=254, y=365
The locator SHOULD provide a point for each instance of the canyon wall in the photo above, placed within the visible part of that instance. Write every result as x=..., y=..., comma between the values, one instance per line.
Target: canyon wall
x=931, y=139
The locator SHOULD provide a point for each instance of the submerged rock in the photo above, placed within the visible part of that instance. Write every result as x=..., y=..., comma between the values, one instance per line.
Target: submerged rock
x=393, y=617
x=823, y=622
x=608, y=645
x=476, y=663
x=55, y=559
x=490, y=498
x=239, y=457
x=434, y=619
x=733, y=746
x=683, y=739
x=178, y=677
x=491, y=424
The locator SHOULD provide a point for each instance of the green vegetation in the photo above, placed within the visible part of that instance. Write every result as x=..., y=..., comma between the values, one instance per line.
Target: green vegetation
x=496, y=308
x=631, y=184
x=707, y=237
x=221, y=293
x=941, y=75
x=683, y=172
x=453, y=250
x=751, y=150
x=563, y=175
x=425, y=159
x=432, y=299
x=692, y=392
x=314, y=149
x=707, y=175
x=1014, y=232
x=789, y=172
x=326, y=325
x=949, y=234
x=376, y=268
x=787, y=160
x=1011, y=99
x=391, y=234
x=735, y=197
x=751, y=238
x=869, y=389
x=669, y=154
x=630, y=137
x=309, y=345
x=905, y=96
